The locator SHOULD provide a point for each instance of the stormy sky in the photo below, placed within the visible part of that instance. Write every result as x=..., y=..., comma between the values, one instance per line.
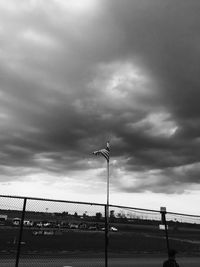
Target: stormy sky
x=77, y=73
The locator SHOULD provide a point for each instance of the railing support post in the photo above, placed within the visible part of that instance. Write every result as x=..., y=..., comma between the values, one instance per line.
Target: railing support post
x=20, y=233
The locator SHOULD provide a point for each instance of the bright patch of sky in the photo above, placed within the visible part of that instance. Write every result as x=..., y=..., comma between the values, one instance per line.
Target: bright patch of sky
x=157, y=124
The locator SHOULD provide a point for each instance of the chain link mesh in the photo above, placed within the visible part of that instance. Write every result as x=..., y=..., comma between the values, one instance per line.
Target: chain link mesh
x=59, y=233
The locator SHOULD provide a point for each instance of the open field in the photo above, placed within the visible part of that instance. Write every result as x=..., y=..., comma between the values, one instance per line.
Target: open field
x=58, y=241
x=136, y=247
x=85, y=262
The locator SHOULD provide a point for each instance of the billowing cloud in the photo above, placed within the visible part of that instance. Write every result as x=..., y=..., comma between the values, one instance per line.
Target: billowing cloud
x=74, y=76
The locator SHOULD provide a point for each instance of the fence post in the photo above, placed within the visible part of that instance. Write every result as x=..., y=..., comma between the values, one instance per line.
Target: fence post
x=20, y=233
x=163, y=220
x=106, y=235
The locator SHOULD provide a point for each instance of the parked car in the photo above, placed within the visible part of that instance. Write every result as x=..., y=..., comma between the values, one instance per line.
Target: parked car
x=73, y=226
x=113, y=229
x=16, y=221
x=94, y=227
x=83, y=226
x=64, y=224
x=39, y=224
x=47, y=224
x=28, y=223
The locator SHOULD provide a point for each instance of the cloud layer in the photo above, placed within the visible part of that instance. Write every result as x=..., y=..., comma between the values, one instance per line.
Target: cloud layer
x=73, y=76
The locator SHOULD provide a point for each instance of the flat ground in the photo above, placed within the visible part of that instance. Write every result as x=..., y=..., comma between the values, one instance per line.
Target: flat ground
x=85, y=262
x=76, y=248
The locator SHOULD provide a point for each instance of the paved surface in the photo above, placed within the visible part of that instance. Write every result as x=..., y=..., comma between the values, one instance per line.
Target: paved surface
x=114, y=262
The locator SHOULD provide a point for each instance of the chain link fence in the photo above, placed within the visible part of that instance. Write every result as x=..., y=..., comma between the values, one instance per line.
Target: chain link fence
x=45, y=232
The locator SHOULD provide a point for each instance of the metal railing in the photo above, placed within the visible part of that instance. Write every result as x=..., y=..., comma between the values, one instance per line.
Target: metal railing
x=49, y=231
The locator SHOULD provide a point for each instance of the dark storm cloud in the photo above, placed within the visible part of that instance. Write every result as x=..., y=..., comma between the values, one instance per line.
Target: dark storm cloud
x=127, y=72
